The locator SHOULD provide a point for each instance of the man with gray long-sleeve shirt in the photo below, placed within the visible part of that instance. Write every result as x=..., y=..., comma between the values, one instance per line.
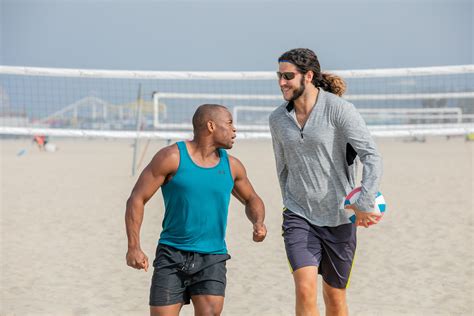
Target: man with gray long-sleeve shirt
x=316, y=137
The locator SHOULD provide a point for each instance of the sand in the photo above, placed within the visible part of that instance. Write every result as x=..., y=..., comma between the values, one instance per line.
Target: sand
x=63, y=238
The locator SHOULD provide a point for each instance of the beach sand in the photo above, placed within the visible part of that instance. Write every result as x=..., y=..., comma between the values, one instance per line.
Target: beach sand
x=63, y=240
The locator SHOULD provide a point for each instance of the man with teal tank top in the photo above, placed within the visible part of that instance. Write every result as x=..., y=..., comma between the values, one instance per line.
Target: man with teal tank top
x=197, y=179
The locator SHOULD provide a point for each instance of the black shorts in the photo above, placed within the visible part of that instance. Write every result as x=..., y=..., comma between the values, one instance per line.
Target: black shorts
x=331, y=249
x=178, y=275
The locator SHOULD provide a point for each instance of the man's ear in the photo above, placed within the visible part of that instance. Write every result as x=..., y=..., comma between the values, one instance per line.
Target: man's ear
x=309, y=75
x=211, y=126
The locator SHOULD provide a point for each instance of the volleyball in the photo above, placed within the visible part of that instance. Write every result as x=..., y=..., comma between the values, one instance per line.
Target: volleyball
x=353, y=196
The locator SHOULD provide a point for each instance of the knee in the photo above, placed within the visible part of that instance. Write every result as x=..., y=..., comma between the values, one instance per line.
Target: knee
x=216, y=309
x=335, y=301
x=212, y=309
x=306, y=293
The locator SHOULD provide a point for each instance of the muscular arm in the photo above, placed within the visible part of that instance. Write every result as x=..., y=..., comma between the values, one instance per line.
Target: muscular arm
x=244, y=192
x=163, y=164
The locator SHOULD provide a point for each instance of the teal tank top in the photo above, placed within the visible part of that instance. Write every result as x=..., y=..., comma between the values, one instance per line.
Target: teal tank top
x=196, y=205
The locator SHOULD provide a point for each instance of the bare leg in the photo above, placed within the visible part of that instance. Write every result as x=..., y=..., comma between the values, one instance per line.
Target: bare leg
x=306, y=291
x=168, y=310
x=335, y=300
x=207, y=305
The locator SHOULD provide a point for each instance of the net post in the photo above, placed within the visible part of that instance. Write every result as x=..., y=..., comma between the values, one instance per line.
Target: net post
x=156, y=108
x=139, y=114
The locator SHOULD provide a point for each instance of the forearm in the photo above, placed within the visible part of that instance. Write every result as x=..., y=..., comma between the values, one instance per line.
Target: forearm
x=282, y=172
x=255, y=210
x=371, y=176
x=358, y=135
x=133, y=221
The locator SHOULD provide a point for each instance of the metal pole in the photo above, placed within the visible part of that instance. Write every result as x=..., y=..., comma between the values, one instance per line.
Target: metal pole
x=139, y=119
x=156, y=109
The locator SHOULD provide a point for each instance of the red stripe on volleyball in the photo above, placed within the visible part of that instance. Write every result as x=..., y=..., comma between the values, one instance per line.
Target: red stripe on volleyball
x=356, y=190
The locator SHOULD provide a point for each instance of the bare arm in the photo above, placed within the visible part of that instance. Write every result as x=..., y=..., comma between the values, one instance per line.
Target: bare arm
x=164, y=164
x=244, y=192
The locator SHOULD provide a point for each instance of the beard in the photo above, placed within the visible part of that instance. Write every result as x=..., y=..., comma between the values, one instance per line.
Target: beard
x=299, y=92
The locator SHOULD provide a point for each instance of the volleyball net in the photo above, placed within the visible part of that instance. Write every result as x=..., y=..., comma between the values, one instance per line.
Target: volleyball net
x=160, y=104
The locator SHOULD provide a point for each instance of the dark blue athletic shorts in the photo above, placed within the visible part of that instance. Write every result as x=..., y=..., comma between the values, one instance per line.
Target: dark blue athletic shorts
x=178, y=275
x=331, y=249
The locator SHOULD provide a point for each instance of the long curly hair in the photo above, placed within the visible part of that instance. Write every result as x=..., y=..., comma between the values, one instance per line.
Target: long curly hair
x=305, y=60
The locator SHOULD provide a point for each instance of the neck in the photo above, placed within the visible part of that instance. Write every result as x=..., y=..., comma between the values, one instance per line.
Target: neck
x=202, y=148
x=304, y=104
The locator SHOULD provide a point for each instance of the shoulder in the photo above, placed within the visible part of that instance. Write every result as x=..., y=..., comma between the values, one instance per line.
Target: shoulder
x=167, y=158
x=234, y=160
x=236, y=166
x=335, y=101
x=277, y=118
x=277, y=113
x=169, y=152
x=337, y=106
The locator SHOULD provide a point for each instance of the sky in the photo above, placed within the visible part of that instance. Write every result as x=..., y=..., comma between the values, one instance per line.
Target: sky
x=228, y=35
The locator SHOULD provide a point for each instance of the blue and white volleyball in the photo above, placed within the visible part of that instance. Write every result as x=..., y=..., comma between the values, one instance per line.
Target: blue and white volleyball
x=352, y=197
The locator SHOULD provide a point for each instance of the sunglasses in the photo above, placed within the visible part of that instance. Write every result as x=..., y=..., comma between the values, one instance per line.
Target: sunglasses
x=286, y=75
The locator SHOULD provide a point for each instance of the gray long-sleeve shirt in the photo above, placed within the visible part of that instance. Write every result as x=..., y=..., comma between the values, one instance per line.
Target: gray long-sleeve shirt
x=315, y=164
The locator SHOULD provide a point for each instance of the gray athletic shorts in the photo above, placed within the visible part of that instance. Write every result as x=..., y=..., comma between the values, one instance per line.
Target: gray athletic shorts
x=331, y=249
x=178, y=275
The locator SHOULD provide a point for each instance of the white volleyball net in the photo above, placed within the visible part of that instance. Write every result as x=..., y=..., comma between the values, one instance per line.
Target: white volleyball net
x=146, y=104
